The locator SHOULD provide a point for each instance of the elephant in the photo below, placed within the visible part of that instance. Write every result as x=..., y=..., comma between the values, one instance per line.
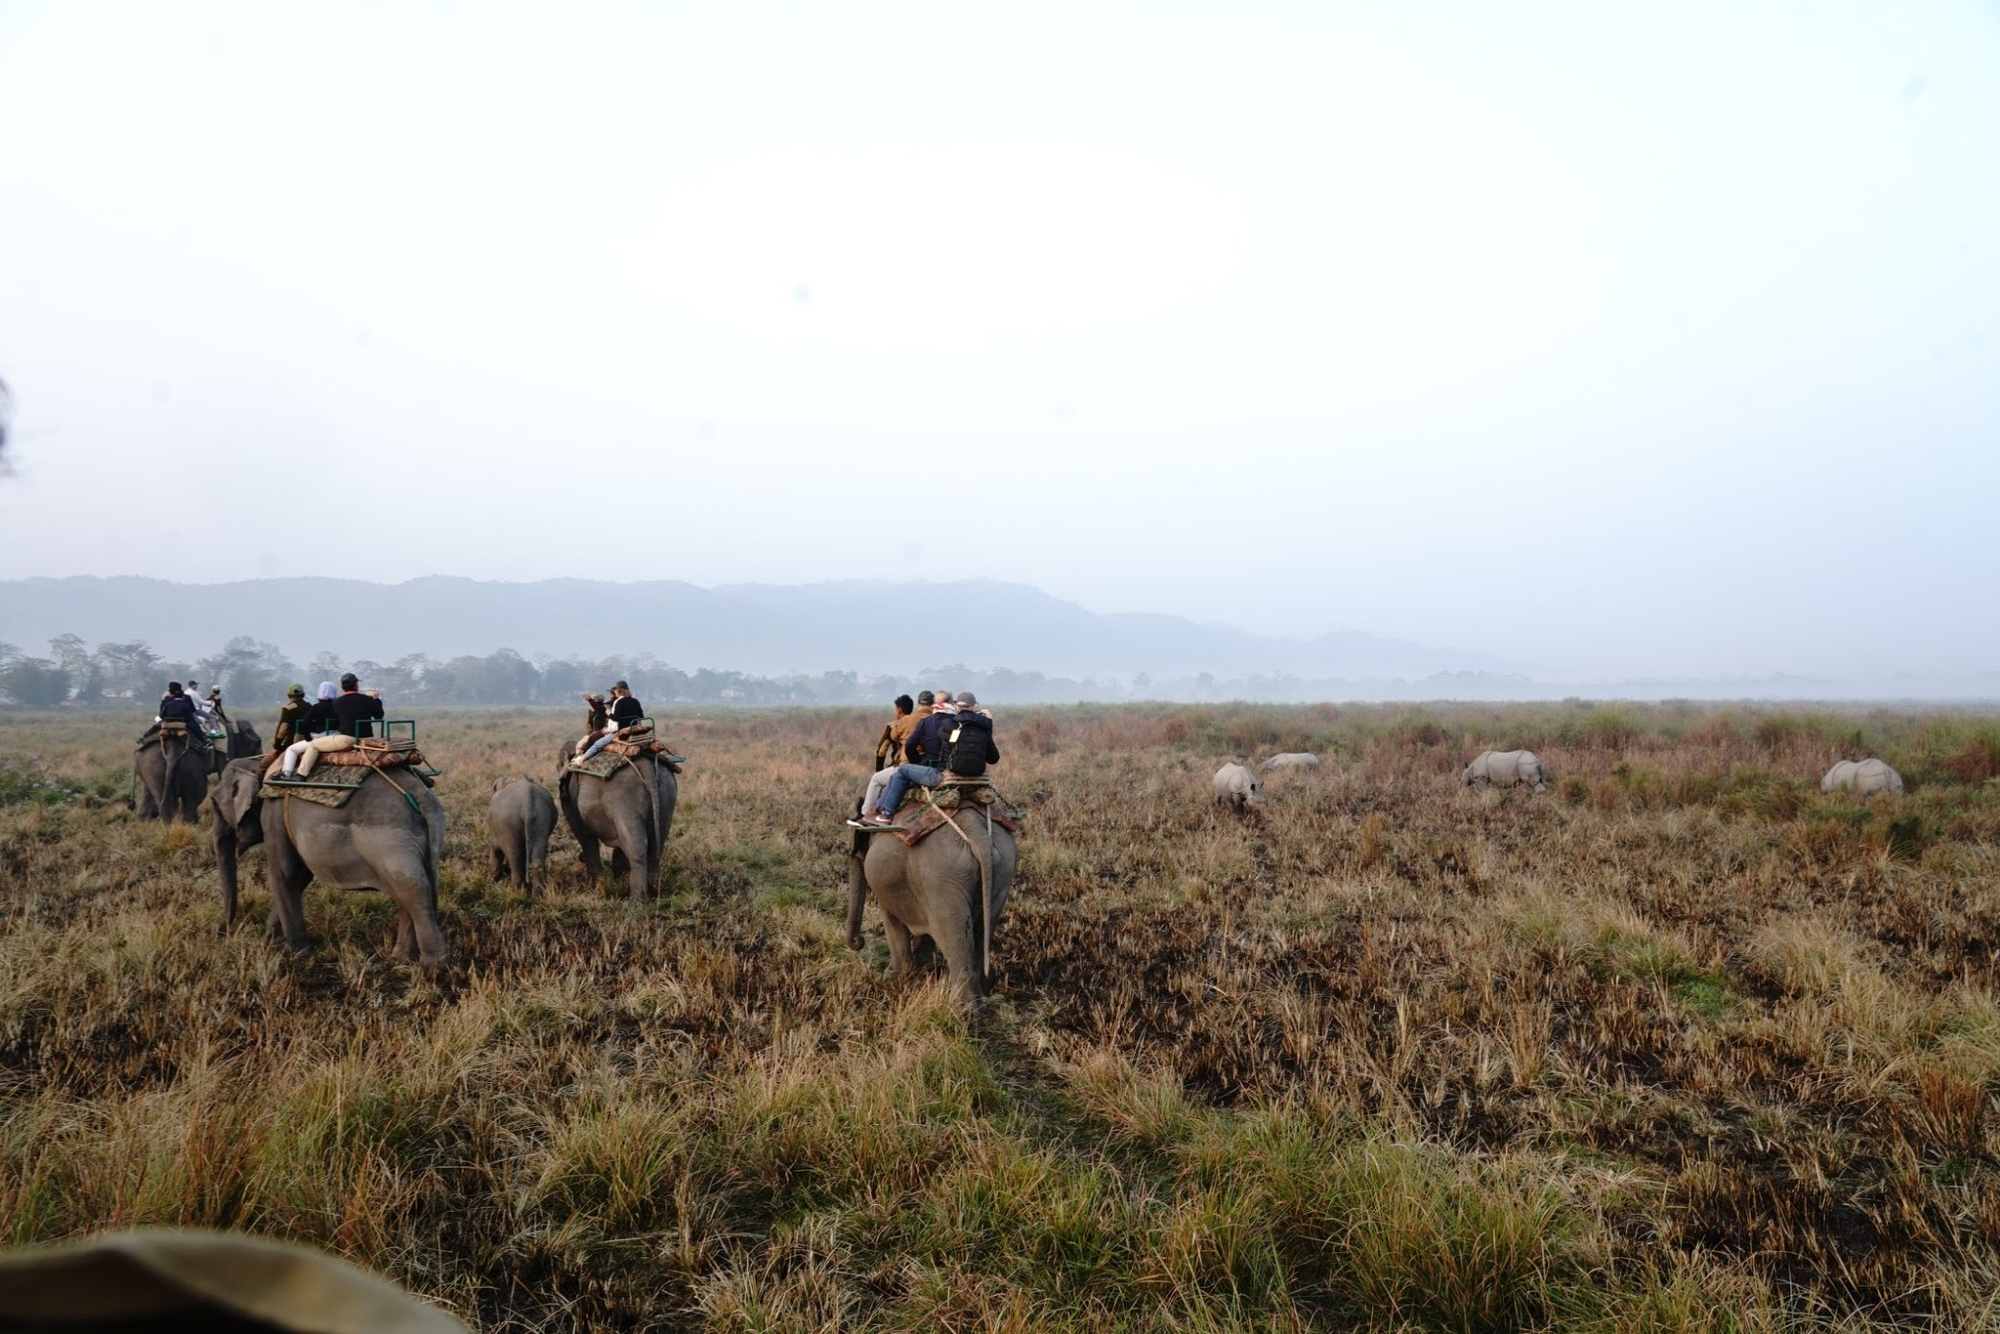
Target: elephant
x=633, y=811
x=1297, y=759
x=1505, y=768
x=1864, y=778
x=389, y=836
x=519, y=820
x=243, y=742
x=171, y=778
x=1238, y=788
x=934, y=889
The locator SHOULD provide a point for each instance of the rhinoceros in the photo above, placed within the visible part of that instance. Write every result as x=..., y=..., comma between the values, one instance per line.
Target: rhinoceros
x=1296, y=759
x=1505, y=768
x=1864, y=778
x=1236, y=787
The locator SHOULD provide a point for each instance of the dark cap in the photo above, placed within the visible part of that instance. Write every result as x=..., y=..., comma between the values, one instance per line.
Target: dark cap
x=926, y=698
x=296, y=689
x=620, y=685
x=966, y=701
x=349, y=681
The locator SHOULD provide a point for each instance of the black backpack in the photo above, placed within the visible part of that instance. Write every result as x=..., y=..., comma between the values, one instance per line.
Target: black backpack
x=965, y=745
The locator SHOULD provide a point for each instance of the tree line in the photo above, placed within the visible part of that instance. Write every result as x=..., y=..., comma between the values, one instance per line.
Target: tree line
x=251, y=672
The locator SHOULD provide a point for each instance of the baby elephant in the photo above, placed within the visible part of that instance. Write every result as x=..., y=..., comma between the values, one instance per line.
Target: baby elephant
x=1296, y=759
x=1505, y=768
x=1237, y=788
x=519, y=821
x=1864, y=778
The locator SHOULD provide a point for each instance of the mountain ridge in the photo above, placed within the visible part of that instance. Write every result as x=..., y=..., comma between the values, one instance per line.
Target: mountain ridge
x=844, y=625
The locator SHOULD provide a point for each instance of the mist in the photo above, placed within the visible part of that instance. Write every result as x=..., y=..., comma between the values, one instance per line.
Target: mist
x=1612, y=345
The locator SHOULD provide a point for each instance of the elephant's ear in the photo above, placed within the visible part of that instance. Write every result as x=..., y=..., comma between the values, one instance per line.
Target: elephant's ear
x=235, y=801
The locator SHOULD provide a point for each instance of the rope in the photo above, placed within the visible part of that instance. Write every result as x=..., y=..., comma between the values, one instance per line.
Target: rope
x=985, y=866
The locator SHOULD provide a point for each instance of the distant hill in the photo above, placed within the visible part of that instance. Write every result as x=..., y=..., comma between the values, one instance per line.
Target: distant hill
x=871, y=626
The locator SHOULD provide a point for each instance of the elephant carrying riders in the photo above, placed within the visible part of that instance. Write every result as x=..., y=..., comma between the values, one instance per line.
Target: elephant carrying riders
x=959, y=743
x=621, y=711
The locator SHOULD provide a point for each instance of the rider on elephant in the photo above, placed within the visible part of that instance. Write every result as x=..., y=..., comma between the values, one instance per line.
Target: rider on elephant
x=621, y=711
x=960, y=743
x=292, y=718
x=356, y=711
x=176, y=707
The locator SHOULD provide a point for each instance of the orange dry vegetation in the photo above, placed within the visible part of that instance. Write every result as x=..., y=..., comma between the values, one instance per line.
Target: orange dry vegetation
x=1683, y=1043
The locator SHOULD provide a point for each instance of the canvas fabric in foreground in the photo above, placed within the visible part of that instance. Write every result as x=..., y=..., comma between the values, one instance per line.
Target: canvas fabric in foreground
x=166, y=1278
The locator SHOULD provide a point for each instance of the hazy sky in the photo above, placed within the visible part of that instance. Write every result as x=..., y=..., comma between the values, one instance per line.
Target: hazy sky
x=1621, y=339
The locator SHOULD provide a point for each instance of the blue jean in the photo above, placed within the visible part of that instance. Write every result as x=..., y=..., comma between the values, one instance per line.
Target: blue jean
x=900, y=782
x=597, y=745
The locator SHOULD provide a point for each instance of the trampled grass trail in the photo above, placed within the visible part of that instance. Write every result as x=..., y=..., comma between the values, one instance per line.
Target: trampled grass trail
x=1681, y=1044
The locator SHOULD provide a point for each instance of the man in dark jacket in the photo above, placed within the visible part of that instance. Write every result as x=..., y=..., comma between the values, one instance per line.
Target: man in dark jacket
x=354, y=710
x=176, y=707
x=961, y=742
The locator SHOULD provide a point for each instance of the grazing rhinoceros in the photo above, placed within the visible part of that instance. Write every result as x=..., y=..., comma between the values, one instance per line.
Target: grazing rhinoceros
x=1237, y=787
x=1505, y=768
x=1864, y=778
x=1296, y=759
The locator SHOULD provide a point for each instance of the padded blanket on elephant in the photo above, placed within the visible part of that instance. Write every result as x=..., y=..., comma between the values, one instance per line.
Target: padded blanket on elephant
x=920, y=818
x=613, y=757
x=337, y=777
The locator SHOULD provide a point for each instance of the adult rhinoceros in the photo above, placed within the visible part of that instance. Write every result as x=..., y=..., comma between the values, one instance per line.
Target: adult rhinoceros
x=1864, y=778
x=1505, y=768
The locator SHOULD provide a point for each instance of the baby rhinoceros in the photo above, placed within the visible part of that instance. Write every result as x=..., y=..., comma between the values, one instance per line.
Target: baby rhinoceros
x=1236, y=787
x=519, y=821
x=1294, y=759
x=1864, y=778
x=1505, y=768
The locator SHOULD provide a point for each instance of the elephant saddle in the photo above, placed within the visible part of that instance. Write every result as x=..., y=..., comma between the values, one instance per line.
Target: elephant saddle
x=340, y=774
x=607, y=762
x=920, y=818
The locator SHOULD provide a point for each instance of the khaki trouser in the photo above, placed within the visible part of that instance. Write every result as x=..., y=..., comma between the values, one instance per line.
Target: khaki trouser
x=300, y=757
x=876, y=782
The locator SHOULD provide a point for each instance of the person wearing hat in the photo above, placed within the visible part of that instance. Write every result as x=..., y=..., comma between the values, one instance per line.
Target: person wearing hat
x=622, y=710
x=291, y=718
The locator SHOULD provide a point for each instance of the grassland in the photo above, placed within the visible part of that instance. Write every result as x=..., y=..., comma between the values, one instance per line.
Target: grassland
x=1683, y=1044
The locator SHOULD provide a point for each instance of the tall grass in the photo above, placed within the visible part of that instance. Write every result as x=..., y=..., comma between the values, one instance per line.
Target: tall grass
x=1685, y=1044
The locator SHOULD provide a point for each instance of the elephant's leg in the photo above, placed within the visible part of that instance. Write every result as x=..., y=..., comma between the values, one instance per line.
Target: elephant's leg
x=498, y=869
x=857, y=896
x=589, y=855
x=632, y=847
x=899, y=943
x=288, y=878
x=961, y=957
x=417, y=934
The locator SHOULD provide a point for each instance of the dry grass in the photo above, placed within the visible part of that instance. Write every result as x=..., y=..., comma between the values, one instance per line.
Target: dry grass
x=1683, y=1044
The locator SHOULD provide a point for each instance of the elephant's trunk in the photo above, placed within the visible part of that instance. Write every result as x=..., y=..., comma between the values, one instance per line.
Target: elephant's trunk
x=857, y=895
x=225, y=860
